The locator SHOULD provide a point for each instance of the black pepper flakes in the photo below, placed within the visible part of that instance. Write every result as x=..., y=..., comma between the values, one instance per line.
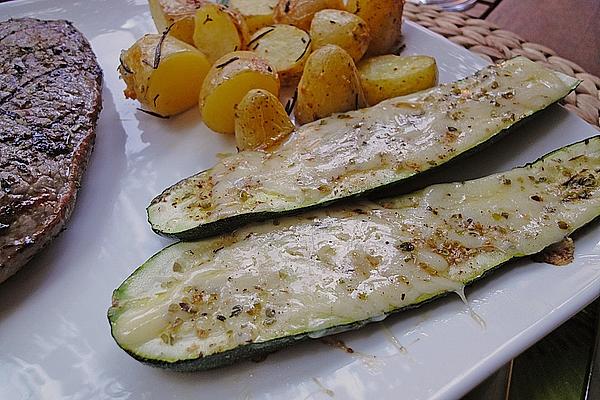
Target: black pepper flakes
x=406, y=246
x=236, y=310
x=269, y=312
x=186, y=307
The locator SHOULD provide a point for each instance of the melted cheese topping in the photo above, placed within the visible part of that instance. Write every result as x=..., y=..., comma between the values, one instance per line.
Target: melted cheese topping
x=324, y=269
x=351, y=153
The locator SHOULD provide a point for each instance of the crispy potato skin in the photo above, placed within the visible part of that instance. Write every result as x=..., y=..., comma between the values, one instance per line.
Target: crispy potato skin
x=179, y=14
x=285, y=47
x=330, y=84
x=171, y=87
x=300, y=12
x=260, y=121
x=389, y=76
x=341, y=28
x=226, y=84
x=219, y=30
x=257, y=13
x=384, y=18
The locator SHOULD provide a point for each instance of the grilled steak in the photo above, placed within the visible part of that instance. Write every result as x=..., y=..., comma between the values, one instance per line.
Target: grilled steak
x=50, y=88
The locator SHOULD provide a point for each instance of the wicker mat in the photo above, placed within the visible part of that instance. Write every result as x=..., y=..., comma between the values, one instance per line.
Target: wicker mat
x=492, y=43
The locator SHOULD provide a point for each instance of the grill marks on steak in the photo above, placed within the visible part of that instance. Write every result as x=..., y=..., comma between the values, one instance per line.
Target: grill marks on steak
x=50, y=87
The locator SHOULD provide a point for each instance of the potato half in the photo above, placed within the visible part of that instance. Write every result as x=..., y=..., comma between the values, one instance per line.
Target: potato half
x=226, y=84
x=260, y=121
x=257, y=13
x=330, y=84
x=178, y=14
x=300, y=12
x=384, y=18
x=341, y=28
x=390, y=76
x=163, y=73
x=219, y=30
x=285, y=47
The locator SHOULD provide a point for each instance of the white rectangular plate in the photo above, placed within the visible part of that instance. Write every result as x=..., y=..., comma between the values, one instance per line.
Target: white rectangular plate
x=54, y=335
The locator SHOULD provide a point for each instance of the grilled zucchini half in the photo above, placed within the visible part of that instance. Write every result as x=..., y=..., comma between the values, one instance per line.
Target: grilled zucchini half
x=358, y=152
x=204, y=304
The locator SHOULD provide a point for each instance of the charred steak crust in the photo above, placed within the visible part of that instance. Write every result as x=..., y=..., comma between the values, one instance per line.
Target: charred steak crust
x=50, y=99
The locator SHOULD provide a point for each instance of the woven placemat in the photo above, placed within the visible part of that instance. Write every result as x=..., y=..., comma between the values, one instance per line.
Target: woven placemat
x=493, y=43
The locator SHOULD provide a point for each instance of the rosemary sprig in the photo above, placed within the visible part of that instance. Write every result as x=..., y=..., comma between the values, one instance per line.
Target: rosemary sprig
x=158, y=50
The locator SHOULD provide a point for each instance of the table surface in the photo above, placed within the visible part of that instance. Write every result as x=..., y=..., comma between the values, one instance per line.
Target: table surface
x=571, y=28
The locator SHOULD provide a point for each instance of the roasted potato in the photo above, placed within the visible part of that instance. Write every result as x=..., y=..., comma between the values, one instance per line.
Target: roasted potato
x=390, y=76
x=163, y=73
x=257, y=13
x=330, y=84
x=384, y=19
x=341, y=28
x=226, y=84
x=300, y=12
x=219, y=30
x=260, y=121
x=285, y=47
x=177, y=14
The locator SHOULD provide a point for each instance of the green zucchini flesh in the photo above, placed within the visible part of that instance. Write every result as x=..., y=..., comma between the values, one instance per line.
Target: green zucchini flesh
x=358, y=152
x=203, y=304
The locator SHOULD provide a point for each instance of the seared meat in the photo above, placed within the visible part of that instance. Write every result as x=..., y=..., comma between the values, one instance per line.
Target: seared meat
x=50, y=98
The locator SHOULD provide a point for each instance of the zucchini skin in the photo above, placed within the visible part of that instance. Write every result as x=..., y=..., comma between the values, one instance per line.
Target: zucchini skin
x=252, y=350
x=395, y=188
x=400, y=186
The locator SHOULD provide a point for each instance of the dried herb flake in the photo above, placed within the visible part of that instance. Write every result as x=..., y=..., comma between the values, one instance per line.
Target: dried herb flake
x=261, y=36
x=291, y=103
x=232, y=59
x=158, y=50
x=157, y=115
x=305, y=50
